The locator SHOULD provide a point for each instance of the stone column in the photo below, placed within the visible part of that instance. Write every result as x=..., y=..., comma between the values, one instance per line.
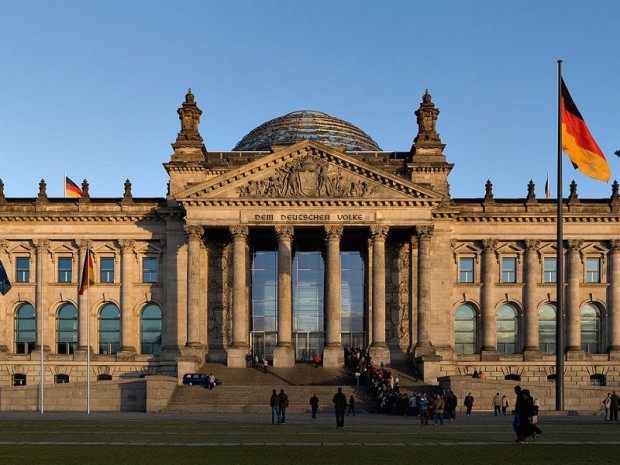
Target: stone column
x=489, y=320
x=378, y=349
x=284, y=355
x=240, y=324
x=42, y=246
x=532, y=265
x=83, y=311
x=424, y=345
x=194, y=237
x=333, y=355
x=573, y=313
x=614, y=301
x=127, y=257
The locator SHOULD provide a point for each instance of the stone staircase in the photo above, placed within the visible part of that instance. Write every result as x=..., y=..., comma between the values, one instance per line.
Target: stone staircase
x=248, y=390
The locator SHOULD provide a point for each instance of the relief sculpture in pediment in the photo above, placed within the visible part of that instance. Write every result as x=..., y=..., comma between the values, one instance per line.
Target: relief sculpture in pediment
x=307, y=177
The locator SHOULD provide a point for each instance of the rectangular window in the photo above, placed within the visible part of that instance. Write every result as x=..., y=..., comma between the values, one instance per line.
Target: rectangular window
x=106, y=270
x=466, y=270
x=22, y=270
x=509, y=270
x=149, y=270
x=593, y=270
x=65, y=269
x=550, y=270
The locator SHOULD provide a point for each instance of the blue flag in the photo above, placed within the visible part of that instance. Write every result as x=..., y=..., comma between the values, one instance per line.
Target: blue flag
x=5, y=284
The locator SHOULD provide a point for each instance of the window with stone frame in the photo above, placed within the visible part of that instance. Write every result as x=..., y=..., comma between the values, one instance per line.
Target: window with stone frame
x=22, y=269
x=466, y=269
x=106, y=269
x=149, y=270
x=550, y=269
x=509, y=269
x=593, y=270
x=65, y=269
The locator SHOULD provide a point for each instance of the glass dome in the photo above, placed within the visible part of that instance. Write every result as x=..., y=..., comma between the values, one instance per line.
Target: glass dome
x=307, y=125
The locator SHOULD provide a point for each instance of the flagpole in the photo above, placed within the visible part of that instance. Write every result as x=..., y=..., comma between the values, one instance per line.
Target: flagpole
x=40, y=309
x=87, y=269
x=64, y=187
x=559, y=331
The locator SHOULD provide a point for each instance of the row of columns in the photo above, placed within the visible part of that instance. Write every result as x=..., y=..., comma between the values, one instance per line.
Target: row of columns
x=284, y=352
x=572, y=310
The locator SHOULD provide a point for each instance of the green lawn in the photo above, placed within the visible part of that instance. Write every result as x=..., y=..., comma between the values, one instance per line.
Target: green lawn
x=371, y=439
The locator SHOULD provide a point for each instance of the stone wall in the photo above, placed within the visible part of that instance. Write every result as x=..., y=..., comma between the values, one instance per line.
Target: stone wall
x=150, y=394
x=578, y=399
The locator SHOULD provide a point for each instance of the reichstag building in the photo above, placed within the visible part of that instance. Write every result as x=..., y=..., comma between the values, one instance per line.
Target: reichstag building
x=303, y=240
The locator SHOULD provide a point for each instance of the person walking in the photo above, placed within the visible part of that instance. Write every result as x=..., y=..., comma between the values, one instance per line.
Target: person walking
x=504, y=405
x=518, y=408
x=607, y=405
x=274, y=403
x=282, y=404
x=438, y=406
x=351, y=405
x=340, y=404
x=423, y=406
x=314, y=405
x=469, y=403
x=497, y=405
x=615, y=404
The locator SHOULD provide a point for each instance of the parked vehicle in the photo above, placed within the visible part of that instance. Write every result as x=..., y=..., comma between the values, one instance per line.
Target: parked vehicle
x=195, y=379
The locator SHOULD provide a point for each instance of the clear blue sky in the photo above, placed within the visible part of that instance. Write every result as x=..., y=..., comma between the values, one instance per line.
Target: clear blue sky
x=92, y=88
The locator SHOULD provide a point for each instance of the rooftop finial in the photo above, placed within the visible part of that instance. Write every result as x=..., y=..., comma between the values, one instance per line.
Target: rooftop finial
x=488, y=191
x=42, y=197
x=189, y=97
x=427, y=118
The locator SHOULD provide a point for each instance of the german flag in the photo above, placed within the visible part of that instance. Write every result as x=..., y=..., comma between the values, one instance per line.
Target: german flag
x=88, y=273
x=578, y=143
x=72, y=189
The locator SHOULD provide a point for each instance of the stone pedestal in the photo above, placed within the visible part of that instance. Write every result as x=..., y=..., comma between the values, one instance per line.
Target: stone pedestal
x=196, y=350
x=126, y=355
x=489, y=356
x=186, y=364
x=81, y=354
x=530, y=355
x=333, y=357
x=614, y=353
x=236, y=357
x=429, y=368
x=284, y=357
x=380, y=354
x=575, y=354
x=424, y=350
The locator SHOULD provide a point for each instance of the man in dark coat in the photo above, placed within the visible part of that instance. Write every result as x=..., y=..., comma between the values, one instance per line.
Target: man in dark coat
x=469, y=403
x=615, y=404
x=283, y=404
x=340, y=403
x=314, y=404
x=518, y=408
x=274, y=403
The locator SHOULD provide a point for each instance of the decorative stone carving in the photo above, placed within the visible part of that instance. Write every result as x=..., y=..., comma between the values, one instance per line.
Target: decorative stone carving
x=239, y=231
x=333, y=232
x=379, y=231
x=531, y=191
x=573, y=191
x=532, y=244
x=615, y=195
x=85, y=193
x=189, y=114
x=2, y=197
x=127, y=245
x=489, y=245
x=427, y=118
x=307, y=176
x=42, y=197
x=84, y=244
x=194, y=232
x=127, y=196
x=488, y=191
x=424, y=231
x=285, y=233
x=574, y=244
x=614, y=245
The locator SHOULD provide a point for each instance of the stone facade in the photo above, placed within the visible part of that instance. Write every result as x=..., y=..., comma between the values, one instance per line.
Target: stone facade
x=425, y=256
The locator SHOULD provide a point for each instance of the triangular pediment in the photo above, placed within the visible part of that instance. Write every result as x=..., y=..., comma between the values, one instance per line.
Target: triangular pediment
x=309, y=171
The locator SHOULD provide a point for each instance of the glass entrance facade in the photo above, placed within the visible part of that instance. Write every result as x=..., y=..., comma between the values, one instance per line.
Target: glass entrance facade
x=264, y=302
x=308, y=299
x=353, y=299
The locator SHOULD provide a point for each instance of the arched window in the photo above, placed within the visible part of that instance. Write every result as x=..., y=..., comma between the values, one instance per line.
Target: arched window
x=590, y=329
x=507, y=329
x=465, y=329
x=67, y=329
x=25, y=329
x=109, y=329
x=150, y=329
x=546, y=329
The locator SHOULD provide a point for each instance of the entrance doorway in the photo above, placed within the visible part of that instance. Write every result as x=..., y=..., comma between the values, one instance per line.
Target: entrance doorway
x=308, y=345
x=262, y=344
